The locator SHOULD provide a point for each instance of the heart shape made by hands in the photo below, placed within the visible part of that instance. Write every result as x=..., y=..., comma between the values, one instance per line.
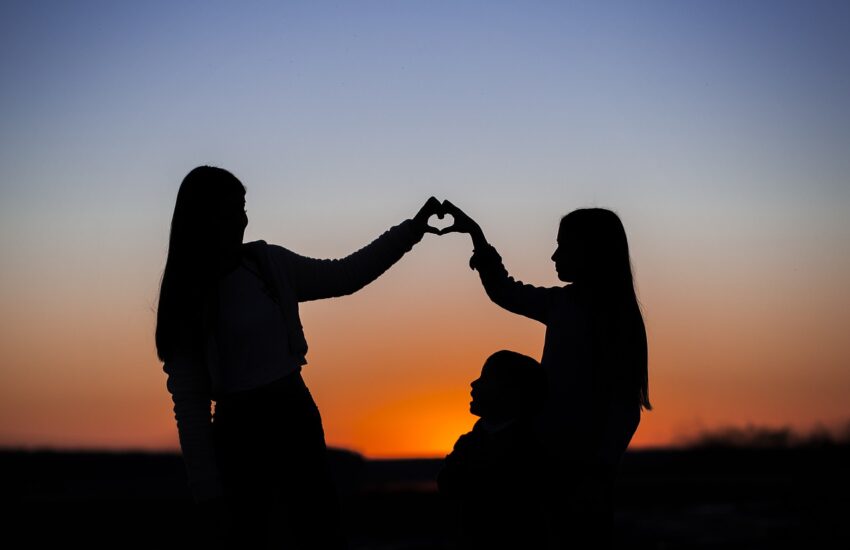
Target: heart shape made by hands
x=441, y=224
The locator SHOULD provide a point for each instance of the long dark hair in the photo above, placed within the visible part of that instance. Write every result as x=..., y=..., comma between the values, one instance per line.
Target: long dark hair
x=605, y=276
x=195, y=250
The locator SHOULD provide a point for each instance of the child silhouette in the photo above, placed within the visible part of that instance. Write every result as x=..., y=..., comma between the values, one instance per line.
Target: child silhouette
x=492, y=474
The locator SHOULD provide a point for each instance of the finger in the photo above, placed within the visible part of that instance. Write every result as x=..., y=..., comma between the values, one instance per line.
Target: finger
x=441, y=211
x=428, y=209
x=432, y=206
x=450, y=229
x=436, y=207
x=450, y=208
x=434, y=230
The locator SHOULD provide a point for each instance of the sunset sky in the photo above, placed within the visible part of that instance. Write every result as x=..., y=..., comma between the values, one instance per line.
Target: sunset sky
x=719, y=131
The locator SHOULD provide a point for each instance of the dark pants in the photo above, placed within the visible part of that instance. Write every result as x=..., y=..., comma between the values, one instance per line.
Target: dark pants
x=270, y=448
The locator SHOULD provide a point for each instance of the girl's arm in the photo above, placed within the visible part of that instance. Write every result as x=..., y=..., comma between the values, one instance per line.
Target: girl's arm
x=313, y=279
x=515, y=296
x=189, y=385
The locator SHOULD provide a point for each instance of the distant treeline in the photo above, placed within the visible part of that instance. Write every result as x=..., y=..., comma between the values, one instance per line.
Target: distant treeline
x=762, y=437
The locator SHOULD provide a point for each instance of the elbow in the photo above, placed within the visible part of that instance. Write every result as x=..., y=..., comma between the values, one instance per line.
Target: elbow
x=498, y=297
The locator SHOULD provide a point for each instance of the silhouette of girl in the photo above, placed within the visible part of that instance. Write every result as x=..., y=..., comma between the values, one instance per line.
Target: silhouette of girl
x=228, y=331
x=492, y=476
x=594, y=356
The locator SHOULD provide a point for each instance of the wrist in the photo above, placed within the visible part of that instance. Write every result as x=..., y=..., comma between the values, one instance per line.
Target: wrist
x=416, y=228
x=478, y=239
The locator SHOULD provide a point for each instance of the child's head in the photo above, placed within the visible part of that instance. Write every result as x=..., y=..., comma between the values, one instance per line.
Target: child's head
x=510, y=386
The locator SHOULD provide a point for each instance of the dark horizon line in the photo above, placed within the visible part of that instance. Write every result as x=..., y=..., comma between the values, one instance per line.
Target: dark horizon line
x=688, y=446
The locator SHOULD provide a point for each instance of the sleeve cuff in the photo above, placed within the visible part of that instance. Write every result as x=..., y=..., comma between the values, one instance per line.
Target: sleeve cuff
x=484, y=257
x=413, y=235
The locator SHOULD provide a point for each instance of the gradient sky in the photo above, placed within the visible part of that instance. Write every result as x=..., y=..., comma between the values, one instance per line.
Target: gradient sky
x=719, y=131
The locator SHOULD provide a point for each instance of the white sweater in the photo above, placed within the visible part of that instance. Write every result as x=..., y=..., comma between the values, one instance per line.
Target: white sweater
x=195, y=383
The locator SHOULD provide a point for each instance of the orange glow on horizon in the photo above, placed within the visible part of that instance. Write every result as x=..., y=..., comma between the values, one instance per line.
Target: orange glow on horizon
x=390, y=366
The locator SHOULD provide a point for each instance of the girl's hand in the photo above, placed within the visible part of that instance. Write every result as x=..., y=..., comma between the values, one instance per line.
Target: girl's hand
x=463, y=224
x=431, y=207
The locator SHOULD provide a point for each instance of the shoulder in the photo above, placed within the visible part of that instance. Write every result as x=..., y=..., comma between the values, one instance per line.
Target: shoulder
x=255, y=250
x=467, y=442
x=262, y=250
